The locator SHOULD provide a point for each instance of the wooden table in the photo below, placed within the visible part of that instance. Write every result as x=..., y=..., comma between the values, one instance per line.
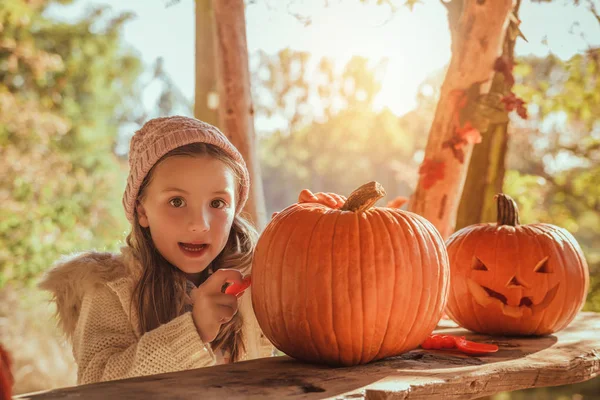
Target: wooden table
x=570, y=356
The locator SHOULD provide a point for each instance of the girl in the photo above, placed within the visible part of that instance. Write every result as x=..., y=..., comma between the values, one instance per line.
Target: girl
x=158, y=306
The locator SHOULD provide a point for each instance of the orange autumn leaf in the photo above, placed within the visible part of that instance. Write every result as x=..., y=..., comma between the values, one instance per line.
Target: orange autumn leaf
x=431, y=171
x=397, y=202
x=469, y=134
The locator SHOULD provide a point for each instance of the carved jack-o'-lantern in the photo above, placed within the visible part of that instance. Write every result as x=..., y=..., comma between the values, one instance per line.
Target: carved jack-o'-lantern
x=515, y=279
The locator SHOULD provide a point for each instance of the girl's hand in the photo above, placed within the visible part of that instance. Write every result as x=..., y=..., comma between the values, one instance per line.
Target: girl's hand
x=332, y=200
x=213, y=308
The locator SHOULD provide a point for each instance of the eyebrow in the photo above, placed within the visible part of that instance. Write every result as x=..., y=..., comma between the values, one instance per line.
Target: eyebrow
x=174, y=189
x=222, y=192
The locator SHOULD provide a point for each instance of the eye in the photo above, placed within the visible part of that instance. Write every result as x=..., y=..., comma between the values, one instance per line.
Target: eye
x=218, y=203
x=478, y=265
x=177, y=202
x=542, y=267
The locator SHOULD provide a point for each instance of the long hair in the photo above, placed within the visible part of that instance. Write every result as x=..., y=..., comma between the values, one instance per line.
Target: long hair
x=158, y=296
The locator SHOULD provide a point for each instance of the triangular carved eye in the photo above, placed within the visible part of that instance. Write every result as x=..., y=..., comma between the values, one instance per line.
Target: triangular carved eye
x=514, y=282
x=478, y=265
x=543, y=267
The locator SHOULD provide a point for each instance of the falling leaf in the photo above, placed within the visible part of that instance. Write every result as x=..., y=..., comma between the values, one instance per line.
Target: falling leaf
x=397, y=202
x=431, y=171
x=469, y=134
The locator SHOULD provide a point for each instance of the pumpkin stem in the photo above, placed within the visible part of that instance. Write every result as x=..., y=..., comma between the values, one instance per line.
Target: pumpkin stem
x=364, y=197
x=508, y=212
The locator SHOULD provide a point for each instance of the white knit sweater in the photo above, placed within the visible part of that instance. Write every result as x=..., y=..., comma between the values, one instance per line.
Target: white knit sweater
x=93, y=296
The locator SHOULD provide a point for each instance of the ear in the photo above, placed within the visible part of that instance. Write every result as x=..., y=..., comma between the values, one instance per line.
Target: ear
x=142, y=216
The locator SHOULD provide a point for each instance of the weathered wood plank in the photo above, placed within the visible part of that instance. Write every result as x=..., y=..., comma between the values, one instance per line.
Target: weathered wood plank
x=570, y=356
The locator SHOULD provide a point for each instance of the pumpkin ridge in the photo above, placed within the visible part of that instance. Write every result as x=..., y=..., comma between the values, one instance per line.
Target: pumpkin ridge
x=305, y=264
x=473, y=312
x=567, y=237
x=281, y=279
x=267, y=256
x=360, y=276
x=562, y=261
x=399, y=217
x=544, y=311
x=389, y=310
x=330, y=303
x=437, y=240
x=369, y=338
x=426, y=274
x=584, y=268
x=452, y=239
x=461, y=314
x=316, y=232
x=415, y=277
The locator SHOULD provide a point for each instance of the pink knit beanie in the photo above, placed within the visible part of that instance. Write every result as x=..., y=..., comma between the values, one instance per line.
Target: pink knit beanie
x=159, y=136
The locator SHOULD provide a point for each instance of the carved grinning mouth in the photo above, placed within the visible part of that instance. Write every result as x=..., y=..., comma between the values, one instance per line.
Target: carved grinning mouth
x=485, y=296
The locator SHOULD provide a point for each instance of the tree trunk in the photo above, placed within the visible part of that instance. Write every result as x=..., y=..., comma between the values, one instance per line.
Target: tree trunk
x=477, y=44
x=236, y=114
x=485, y=176
x=206, y=99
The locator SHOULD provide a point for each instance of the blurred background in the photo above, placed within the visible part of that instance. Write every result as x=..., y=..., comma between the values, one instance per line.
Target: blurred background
x=344, y=92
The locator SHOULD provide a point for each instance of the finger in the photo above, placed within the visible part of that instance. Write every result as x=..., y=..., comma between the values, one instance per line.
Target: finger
x=223, y=299
x=215, y=282
x=325, y=198
x=306, y=196
x=274, y=214
x=340, y=201
x=224, y=314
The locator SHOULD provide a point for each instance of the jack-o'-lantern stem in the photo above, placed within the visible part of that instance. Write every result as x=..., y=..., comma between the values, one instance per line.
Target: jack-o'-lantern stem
x=508, y=212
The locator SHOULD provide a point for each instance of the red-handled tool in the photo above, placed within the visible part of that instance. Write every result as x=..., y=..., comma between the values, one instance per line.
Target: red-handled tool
x=439, y=342
x=237, y=289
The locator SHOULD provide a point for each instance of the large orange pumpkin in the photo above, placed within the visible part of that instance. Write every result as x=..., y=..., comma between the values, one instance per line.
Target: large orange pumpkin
x=349, y=286
x=511, y=279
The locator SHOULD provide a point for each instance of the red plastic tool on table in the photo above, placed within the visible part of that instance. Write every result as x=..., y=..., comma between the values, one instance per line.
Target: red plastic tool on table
x=441, y=342
x=237, y=289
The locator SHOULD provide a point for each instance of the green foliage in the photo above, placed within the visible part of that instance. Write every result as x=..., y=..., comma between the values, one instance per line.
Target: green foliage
x=557, y=153
x=64, y=88
x=333, y=140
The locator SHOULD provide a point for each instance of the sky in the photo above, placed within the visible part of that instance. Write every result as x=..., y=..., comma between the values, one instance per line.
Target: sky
x=416, y=43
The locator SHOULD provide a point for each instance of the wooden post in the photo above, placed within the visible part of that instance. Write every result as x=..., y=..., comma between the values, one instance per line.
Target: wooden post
x=475, y=48
x=236, y=113
x=236, y=116
x=206, y=99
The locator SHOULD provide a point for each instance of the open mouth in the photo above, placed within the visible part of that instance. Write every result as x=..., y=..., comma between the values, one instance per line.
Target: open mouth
x=485, y=296
x=193, y=249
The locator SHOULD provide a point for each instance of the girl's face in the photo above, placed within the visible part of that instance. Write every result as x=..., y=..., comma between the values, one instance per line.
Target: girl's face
x=189, y=207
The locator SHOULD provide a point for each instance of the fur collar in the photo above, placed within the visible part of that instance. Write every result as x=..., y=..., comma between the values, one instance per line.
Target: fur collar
x=75, y=275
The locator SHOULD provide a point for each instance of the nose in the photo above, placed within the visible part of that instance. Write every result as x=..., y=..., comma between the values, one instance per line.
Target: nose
x=199, y=221
x=516, y=283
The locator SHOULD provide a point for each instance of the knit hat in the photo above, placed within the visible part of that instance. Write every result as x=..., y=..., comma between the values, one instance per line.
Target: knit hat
x=159, y=136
